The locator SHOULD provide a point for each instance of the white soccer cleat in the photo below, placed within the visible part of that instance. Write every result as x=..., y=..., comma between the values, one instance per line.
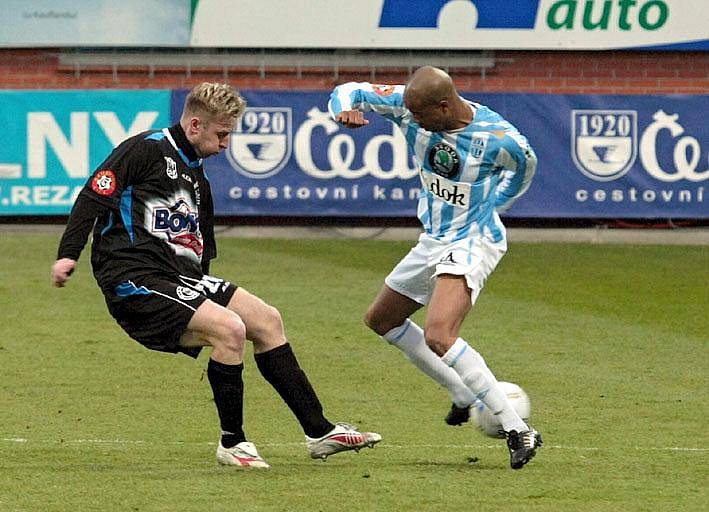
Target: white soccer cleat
x=242, y=455
x=341, y=438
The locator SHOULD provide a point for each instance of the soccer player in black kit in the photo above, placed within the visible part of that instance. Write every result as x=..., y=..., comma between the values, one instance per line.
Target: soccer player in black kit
x=150, y=207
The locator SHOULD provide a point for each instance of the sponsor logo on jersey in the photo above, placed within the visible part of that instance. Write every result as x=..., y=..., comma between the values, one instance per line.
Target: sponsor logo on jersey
x=170, y=168
x=180, y=225
x=104, y=182
x=604, y=142
x=185, y=293
x=261, y=143
x=453, y=193
x=444, y=160
x=186, y=177
x=426, y=13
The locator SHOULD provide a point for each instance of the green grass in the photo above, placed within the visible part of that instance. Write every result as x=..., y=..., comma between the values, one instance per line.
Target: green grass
x=611, y=342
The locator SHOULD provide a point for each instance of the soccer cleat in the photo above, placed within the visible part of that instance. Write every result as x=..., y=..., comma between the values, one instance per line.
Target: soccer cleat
x=242, y=455
x=457, y=415
x=523, y=446
x=341, y=438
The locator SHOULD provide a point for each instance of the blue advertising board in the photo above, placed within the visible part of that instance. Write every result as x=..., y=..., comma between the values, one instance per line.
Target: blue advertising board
x=55, y=139
x=599, y=157
x=614, y=156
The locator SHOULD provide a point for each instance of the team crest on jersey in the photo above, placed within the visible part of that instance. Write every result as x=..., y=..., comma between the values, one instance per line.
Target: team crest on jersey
x=477, y=147
x=186, y=293
x=444, y=160
x=104, y=182
x=604, y=142
x=261, y=143
x=180, y=225
x=383, y=90
x=170, y=168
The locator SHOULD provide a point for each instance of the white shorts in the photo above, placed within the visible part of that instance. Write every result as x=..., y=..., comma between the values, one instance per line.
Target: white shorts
x=475, y=258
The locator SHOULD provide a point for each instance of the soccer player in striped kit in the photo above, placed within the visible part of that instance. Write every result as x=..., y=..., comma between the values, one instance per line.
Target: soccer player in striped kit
x=473, y=164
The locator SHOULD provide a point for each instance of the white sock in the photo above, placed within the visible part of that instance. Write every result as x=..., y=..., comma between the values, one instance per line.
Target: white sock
x=408, y=338
x=477, y=376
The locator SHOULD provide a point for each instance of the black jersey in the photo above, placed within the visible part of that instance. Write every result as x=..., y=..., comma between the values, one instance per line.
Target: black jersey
x=151, y=209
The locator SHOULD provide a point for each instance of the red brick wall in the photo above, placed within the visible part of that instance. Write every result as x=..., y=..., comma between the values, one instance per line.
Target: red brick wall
x=515, y=71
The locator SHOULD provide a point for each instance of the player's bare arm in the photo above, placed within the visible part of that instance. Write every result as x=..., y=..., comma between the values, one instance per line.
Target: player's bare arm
x=352, y=118
x=61, y=270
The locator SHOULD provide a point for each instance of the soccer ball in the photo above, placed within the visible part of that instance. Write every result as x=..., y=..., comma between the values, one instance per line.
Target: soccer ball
x=488, y=422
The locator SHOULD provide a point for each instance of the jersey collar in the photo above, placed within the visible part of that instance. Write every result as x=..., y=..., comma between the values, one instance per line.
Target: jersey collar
x=176, y=135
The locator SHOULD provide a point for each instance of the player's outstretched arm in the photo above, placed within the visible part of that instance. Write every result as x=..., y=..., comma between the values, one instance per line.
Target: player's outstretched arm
x=348, y=103
x=61, y=270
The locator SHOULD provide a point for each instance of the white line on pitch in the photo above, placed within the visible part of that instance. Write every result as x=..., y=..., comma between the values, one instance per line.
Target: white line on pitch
x=384, y=445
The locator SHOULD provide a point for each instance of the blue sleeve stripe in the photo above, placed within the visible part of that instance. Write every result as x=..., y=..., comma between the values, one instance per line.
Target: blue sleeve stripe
x=155, y=136
x=126, y=211
x=393, y=100
x=518, y=178
x=514, y=185
x=335, y=104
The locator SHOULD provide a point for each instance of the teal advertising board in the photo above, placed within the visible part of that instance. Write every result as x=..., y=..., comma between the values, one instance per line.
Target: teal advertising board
x=54, y=139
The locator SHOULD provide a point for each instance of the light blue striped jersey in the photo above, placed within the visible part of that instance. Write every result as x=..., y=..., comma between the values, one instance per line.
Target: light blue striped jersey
x=467, y=175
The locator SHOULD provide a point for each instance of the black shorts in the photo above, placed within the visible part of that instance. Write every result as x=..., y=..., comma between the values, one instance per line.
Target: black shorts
x=155, y=310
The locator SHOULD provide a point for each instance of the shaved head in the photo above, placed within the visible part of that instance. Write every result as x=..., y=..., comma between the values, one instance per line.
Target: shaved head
x=429, y=86
x=434, y=102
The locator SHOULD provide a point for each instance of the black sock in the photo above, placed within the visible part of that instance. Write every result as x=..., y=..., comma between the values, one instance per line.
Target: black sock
x=228, y=389
x=280, y=368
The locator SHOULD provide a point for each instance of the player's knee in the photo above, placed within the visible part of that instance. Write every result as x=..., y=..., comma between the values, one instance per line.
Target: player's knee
x=374, y=323
x=377, y=322
x=438, y=337
x=370, y=320
x=232, y=334
x=273, y=320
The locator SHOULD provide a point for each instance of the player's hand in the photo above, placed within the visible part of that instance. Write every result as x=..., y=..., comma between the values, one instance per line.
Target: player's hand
x=352, y=118
x=61, y=270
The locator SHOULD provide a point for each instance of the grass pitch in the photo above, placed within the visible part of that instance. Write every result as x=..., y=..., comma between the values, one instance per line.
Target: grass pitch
x=611, y=343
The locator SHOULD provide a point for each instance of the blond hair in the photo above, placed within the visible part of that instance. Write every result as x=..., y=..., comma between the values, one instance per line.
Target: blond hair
x=214, y=100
